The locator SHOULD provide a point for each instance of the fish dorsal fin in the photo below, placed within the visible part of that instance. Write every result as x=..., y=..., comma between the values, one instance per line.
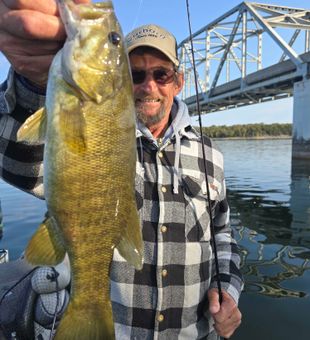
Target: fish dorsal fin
x=34, y=128
x=130, y=246
x=45, y=247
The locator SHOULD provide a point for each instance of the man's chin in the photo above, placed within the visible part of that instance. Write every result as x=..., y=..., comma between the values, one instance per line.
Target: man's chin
x=149, y=118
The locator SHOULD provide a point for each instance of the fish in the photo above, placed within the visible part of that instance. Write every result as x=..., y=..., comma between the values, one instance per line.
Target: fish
x=88, y=125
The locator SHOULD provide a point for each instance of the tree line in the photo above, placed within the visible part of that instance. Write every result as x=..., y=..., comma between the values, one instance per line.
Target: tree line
x=248, y=130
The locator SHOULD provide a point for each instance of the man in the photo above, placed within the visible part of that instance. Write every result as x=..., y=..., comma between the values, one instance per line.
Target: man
x=174, y=296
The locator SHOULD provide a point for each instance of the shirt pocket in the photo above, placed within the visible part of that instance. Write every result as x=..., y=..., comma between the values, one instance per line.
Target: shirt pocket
x=197, y=219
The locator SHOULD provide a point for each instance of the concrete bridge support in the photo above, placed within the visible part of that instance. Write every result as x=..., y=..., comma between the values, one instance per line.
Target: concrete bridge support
x=301, y=120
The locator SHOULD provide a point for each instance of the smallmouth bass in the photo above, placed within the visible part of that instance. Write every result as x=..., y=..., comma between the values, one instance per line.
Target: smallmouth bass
x=88, y=124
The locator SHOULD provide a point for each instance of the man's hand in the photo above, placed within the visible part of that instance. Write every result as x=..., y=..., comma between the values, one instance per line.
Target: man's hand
x=28, y=307
x=227, y=316
x=31, y=32
x=49, y=285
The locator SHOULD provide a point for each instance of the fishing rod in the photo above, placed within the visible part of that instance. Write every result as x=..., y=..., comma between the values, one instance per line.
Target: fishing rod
x=212, y=228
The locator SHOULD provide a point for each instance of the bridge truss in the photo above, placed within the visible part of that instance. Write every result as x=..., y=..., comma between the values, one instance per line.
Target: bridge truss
x=253, y=53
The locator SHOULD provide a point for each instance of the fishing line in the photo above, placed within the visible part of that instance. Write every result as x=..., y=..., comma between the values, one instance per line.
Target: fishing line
x=56, y=274
x=16, y=284
x=9, y=291
x=212, y=228
x=138, y=14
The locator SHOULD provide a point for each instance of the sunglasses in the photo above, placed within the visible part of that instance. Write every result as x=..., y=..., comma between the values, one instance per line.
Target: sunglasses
x=160, y=75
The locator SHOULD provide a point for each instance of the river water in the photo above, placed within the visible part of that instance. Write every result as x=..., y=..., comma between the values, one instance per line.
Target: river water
x=269, y=197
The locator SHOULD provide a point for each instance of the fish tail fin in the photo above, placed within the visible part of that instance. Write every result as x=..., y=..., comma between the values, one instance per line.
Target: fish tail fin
x=81, y=322
x=131, y=245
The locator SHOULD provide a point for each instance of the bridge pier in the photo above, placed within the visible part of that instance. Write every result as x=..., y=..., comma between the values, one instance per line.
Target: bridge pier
x=301, y=120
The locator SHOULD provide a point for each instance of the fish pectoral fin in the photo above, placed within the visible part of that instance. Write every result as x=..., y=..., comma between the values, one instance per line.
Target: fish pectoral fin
x=72, y=128
x=34, y=128
x=131, y=245
x=46, y=246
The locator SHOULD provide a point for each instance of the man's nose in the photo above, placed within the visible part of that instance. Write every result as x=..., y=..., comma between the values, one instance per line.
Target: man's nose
x=149, y=83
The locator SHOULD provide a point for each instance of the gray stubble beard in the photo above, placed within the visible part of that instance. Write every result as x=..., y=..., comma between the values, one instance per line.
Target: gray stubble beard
x=150, y=120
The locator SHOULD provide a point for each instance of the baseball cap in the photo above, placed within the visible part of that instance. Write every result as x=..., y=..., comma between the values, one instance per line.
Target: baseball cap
x=153, y=36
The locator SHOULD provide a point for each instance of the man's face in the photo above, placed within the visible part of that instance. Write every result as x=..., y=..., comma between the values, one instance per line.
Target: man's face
x=153, y=100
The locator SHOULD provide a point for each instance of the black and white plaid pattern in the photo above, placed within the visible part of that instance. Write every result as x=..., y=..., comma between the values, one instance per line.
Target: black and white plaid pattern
x=167, y=299
x=20, y=164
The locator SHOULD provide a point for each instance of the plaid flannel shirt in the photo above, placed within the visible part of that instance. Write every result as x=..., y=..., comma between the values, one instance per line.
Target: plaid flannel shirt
x=167, y=299
x=20, y=164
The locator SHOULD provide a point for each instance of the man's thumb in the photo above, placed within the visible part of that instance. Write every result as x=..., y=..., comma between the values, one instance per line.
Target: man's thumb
x=214, y=303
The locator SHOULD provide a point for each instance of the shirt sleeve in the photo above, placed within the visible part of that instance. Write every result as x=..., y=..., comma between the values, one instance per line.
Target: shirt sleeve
x=21, y=164
x=227, y=249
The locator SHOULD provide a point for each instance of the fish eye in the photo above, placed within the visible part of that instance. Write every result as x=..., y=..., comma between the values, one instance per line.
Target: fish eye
x=114, y=38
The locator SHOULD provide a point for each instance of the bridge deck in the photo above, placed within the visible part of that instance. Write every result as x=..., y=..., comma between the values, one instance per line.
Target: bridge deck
x=270, y=83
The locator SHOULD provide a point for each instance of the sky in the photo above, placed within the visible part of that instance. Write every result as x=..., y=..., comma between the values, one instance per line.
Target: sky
x=171, y=14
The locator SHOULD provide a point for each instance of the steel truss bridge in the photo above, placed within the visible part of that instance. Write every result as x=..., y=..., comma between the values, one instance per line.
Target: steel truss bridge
x=251, y=54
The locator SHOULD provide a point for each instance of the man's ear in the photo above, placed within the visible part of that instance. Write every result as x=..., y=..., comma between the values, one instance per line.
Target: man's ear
x=179, y=83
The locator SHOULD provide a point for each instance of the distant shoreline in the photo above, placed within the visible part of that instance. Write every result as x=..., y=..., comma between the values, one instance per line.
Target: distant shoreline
x=250, y=131
x=252, y=138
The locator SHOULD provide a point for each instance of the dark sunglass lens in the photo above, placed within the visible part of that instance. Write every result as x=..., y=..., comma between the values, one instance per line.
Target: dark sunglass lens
x=138, y=77
x=162, y=76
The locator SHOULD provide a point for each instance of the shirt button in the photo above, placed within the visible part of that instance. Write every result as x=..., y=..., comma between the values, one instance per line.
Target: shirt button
x=163, y=189
x=164, y=272
x=160, y=154
x=160, y=318
x=163, y=229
